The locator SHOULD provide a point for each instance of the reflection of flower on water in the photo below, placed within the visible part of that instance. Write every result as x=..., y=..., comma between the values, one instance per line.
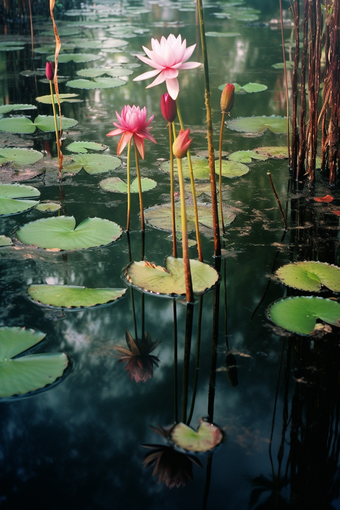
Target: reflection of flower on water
x=139, y=360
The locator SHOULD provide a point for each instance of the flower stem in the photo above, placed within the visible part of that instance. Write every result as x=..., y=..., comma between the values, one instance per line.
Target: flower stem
x=56, y=128
x=140, y=191
x=128, y=187
x=185, y=247
x=173, y=214
x=220, y=169
x=193, y=192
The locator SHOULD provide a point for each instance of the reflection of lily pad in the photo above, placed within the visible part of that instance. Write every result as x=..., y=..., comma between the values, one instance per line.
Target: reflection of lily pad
x=83, y=147
x=277, y=125
x=299, y=314
x=116, y=185
x=19, y=157
x=208, y=436
x=246, y=156
x=98, y=83
x=273, y=152
x=201, y=170
x=11, y=198
x=170, y=282
x=92, y=163
x=60, y=233
x=310, y=276
x=65, y=296
x=21, y=375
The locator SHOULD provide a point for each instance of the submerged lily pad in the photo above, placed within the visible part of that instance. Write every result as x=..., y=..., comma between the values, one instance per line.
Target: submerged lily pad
x=207, y=437
x=277, y=125
x=66, y=296
x=63, y=98
x=310, y=276
x=6, y=108
x=83, y=147
x=98, y=83
x=116, y=185
x=19, y=157
x=21, y=375
x=201, y=169
x=246, y=156
x=60, y=233
x=11, y=198
x=299, y=314
x=170, y=282
x=92, y=163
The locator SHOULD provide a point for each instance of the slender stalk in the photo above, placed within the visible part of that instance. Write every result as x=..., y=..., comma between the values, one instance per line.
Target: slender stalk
x=220, y=169
x=128, y=187
x=187, y=348
x=172, y=191
x=175, y=363
x=278, y=200
x=55, y=127
x=286, y=80
x=140, y=191
x=198, y=347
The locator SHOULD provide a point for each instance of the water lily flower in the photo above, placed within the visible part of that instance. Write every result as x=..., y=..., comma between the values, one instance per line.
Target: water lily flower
x=132, y=123
x=181, y=144
x=49, y=71
x=139, y=360
x=167, y=57
x=227, y=98
x=168, y=107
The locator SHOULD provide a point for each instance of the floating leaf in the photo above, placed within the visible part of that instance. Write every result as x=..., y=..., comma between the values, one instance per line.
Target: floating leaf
x=60, y=233
x=281, y=65
x=273, y=152
x=6, y=108
x=19, y=157
x=170, y=282
x=246, y=156
x=20, y=125
x=66, y=296
x=25, y=374
x=46, y=123
x=222, y=34
x=48, y=207
x=201, y=169
x=98, y=83
x=64, y=98
x=92, y=163
x=5, y=241
x=95, y=72
x=310, y=276
x=325, y=199
x=106, y=44
x=11, y=198
x=249, y=88
x=74, y=57
x=277, y=125
x=299, y=314
x=11, y=46
x=207, y=437
x=83, y=147
x=116, y=185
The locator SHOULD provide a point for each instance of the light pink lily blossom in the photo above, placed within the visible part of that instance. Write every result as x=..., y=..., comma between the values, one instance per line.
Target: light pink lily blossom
x=132, y=123
x=167, y=57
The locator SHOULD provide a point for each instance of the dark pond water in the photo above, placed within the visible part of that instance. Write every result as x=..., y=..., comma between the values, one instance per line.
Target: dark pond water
x=78, y=444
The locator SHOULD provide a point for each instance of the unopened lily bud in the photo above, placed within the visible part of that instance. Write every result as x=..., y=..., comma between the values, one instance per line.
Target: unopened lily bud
x=181, y=144
x=168, y=107
x=227, y=98
x=49, y=71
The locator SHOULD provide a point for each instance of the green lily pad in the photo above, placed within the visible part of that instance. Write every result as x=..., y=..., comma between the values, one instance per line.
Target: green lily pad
x=6, y=108
x=64, y=58
x=207, y=437
x=299, y=314
x=281, y=65
x=222, y=34
x=248, y=88
x=273, y=152
x=170, y=282
x=21, y=125
x=19, y=157
x=106, y=44
x=5, y=241
x=275, y=124
x=310, y=276
x=116, y=185
x=11, y=198
x=246, y=156
x=59, y=233
x=21, y=375
x=92, y=163
x=46, y=123
x=66, y=296
x=11, y=46
x=84, y=147
x=64, y=98
x=98, y=83
x=95, y=72
x=48, y=207
x=201, y=170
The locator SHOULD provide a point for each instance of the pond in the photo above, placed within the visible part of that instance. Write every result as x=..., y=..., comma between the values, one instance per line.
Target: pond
x=96, y=438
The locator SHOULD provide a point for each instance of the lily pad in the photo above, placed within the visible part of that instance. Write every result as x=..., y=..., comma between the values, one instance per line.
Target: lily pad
x=6, y=108
x=201, y=170
x=5, y=241
x=310, y=276
x=19, y=157
x=22, y=375
x=299, y=314
x=64, y=98
x=246, y=156
x=98, y=83
x=65, y=296
x=281, y=65
x=275, y=124
x=11, y=46
x=95, y=72
x=84, y=147
x=11, y=198
x=222, y=34
x=46, y=123
x=92, y=163
x=170, y=282
x=48, y=207
x=248, y=88
x=273, y=152
x=60, y=233
x=21, y=125
x=106, y=44
x=116, y=185
x=64, y=58
x=207, y=437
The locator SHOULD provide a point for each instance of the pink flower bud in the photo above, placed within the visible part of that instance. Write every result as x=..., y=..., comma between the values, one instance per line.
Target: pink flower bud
x=181, y=144
x=227, y=98
x=168, y=107
x=49, y=71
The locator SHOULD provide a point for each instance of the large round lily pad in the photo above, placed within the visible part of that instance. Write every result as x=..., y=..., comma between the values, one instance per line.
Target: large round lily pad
x=170, y=282
x=116, y=185
x=19, y=157
x=12, y=198
x=74, y=57
x=95, y=72
x=21, y=375
x=299, y=314
x=98, y=83
x=200, y=166
x=207, y=437
x=60, y=233
x=310, y=276
x=84, y=147
x=246, y=156
x=92, y=163
x=275, y=124
x=66, y=296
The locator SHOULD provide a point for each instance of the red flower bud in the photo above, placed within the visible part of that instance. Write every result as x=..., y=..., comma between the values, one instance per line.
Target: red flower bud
x=181, y=144
x=227, y=98
x=168, y=107
x=49, y=71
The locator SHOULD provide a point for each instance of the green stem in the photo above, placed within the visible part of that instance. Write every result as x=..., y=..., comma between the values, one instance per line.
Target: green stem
x=220, y=168
x=198, y=346
x=56, y=128
x=140, y=191
x=128, y=187
x=173, y=214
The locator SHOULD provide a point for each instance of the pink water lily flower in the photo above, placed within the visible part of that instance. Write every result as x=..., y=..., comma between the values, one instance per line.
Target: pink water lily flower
x=132, y=123
x=167, y=57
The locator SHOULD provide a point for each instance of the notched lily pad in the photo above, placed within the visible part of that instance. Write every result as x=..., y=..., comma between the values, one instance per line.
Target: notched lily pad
x=95, y=72
x=310, y=276
x=207, y=437
x=249, y=88
x=116, y=185
x=299, y=314
x=246, y=156
x=12, y=198
x=92, y=163
x=170, y=282
x=66, y=296
x=84, y=147
x=200, y=166
x=64, y=98
x=277, y=125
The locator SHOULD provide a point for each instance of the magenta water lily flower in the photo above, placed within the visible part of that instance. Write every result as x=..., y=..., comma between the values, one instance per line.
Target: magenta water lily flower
x=132, y=123
x=167, y=57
